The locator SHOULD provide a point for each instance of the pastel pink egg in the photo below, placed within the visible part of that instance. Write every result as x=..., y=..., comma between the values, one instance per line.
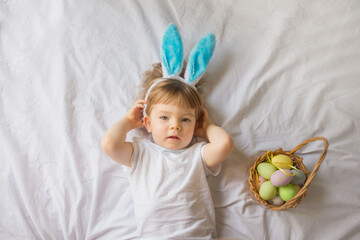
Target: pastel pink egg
x=261, y=180
x=279, y=178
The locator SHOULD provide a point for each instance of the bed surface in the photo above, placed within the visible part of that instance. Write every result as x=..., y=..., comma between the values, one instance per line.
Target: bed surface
x=282, y=72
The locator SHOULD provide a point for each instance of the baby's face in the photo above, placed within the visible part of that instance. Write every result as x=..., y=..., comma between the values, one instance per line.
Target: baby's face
x=171, y=127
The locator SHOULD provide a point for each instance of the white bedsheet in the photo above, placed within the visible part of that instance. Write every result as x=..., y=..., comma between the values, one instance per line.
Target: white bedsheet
x=283, y=72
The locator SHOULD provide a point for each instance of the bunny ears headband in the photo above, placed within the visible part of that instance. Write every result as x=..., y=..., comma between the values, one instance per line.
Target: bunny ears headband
x=171, y=54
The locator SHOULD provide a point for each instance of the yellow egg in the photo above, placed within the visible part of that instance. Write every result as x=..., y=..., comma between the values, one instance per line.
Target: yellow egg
x=282, y=161
x=297, y=188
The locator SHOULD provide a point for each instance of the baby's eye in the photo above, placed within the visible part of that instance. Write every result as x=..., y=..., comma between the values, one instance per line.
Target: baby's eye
x=163, y=118
x=186, y=120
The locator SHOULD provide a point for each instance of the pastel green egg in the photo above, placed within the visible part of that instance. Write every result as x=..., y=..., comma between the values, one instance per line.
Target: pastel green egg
x=287, y=192
x=266, y=170
x=267, y=191
x=282, y=161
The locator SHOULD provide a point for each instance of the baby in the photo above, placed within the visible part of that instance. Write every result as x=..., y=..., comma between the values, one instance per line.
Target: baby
x=167, y=175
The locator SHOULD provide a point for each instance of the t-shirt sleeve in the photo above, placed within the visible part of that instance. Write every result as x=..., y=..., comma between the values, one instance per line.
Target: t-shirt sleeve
x=214, y=171
x=134, y=156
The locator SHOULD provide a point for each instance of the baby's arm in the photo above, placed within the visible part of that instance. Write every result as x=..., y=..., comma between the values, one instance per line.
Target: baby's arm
x=113, y=142
x=220, y=142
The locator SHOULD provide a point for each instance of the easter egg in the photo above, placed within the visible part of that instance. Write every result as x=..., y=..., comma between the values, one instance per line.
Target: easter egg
x=266, y=169
x=260, y=181
x=280, y=178
x=276, y=201
x=267, y=191
x=287, y=192
x=299, y=177
x=282, y=161
x=297, y=188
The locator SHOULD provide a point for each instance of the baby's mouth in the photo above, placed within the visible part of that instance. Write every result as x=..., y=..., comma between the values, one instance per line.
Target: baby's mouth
x=173, y=137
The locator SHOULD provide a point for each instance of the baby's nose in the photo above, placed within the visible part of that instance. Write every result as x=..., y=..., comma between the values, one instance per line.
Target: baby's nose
x=175, y=126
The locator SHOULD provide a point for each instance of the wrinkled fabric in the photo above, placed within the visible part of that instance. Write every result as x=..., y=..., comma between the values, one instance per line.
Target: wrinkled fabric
x=282, y=72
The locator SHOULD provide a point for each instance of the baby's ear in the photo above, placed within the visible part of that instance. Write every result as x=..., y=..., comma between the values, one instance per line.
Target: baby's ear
x=197, y=125
x=147, y=123
x=199, y=122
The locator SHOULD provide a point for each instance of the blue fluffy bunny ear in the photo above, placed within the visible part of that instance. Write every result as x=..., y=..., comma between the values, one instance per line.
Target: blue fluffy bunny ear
x=199, y=58
x=171, y=52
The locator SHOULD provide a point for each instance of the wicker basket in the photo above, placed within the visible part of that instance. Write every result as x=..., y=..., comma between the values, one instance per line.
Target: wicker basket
x=298, y=198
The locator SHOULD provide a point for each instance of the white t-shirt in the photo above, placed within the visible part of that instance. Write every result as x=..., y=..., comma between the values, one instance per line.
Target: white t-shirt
x=170, y=191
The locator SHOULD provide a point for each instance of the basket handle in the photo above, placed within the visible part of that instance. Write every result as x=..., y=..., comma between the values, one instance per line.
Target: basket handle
x=322, y=157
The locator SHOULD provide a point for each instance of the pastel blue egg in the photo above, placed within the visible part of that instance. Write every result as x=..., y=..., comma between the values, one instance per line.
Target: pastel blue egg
x=299, y=177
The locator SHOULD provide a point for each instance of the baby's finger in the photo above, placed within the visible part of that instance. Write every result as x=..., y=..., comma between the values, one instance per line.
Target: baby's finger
x=139, y=106
x=141, y=102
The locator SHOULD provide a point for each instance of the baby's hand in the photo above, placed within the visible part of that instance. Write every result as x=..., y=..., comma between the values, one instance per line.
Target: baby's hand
x=135, y=114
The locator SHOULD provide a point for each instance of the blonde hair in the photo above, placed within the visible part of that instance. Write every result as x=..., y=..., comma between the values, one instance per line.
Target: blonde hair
x=170, y=91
